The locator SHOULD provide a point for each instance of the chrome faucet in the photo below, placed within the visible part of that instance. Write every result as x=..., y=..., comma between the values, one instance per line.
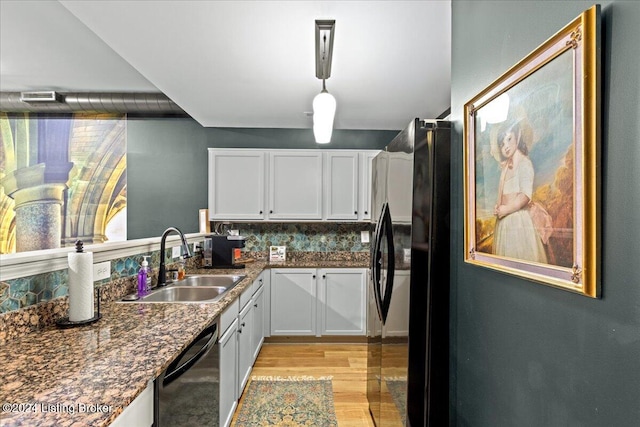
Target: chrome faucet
x=186, y=253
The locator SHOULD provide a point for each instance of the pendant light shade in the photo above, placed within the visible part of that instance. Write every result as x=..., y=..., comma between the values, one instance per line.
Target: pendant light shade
x=324, y=110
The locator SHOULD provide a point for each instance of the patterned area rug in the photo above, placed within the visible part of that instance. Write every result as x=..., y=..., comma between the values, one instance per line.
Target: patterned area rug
x=398, y=389
x=288, y=402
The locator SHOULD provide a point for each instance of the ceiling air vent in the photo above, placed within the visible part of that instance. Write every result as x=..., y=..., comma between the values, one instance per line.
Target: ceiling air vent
x=41, y=96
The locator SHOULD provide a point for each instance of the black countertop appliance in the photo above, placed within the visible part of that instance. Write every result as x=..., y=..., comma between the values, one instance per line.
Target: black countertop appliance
x=223, y=251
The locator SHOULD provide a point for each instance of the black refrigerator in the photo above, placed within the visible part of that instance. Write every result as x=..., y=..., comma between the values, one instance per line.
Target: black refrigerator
x=408, y=309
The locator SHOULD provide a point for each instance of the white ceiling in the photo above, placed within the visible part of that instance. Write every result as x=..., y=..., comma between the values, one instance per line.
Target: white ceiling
x=237, y=63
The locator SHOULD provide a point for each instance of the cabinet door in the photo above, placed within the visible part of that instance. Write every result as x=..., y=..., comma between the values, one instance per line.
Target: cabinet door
x=341, y=185
x=257, y=332
x=364, y=184
x=236, y=184
x=397, y=324
x=400, y=187
x=380, y=165
x=342, y=301
x=265, y=281
x=295, y=184
x=245, y=350
x=139, y=412
x=293, y=301
x=228, y=374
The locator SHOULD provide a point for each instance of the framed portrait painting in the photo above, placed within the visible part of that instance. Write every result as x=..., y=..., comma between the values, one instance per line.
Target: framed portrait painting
x=532, y=153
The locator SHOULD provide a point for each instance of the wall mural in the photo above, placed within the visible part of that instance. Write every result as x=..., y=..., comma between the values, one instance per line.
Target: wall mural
x=63, y=177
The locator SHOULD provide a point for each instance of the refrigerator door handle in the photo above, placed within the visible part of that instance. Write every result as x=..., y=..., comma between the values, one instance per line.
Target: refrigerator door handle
x=376, y=263
x=391, y=265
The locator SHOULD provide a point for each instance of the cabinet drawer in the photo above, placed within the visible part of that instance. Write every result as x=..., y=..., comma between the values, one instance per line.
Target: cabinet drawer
x=245, y=296
x=229, y=315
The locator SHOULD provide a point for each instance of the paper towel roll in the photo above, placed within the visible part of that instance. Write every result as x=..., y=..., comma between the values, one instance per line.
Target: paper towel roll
x=80, y=286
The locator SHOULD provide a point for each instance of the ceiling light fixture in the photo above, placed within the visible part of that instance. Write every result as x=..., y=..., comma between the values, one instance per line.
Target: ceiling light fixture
x=324, y=104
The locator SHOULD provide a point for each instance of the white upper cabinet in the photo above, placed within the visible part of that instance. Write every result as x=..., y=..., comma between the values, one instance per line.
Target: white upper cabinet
x=379, y=169
x=295, y=184
x=365, y=160
x=399, y=185
x=341, y=186
x=289, y=185
x=236, y=184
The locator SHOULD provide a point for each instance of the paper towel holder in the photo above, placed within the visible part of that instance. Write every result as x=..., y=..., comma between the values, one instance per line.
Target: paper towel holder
x=65, y=322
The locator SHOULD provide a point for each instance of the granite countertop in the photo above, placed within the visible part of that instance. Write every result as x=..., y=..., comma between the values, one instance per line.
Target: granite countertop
x=86, y=376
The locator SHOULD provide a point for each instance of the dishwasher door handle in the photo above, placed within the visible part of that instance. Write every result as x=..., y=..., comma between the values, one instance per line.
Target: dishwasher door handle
x=172, y=374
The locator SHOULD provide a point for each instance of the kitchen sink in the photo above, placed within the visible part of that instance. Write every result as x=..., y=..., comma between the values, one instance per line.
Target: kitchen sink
x=209, y=280
x=194, y=288
x=185, y=294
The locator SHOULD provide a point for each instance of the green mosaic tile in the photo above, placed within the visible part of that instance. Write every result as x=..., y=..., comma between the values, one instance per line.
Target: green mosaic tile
x=30, y=299
x=37, y=283
x=118, y=266
x=61, y=291
x=9, y=305
x=45, y=295
x=19, y=288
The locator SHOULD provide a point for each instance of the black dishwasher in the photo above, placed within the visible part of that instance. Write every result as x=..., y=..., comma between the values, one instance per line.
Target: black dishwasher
x=187, y=393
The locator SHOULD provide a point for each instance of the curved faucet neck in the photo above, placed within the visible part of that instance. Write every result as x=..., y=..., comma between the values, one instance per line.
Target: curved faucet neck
x=163, y=239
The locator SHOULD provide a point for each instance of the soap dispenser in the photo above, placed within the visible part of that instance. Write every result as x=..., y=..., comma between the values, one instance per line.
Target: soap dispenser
x=144, y=277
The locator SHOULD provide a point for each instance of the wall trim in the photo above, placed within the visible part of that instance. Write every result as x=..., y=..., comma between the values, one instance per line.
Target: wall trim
x=23, y=264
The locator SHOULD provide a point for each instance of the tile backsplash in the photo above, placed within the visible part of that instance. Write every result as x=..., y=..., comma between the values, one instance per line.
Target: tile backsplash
x=23, y=292
x=304, y=237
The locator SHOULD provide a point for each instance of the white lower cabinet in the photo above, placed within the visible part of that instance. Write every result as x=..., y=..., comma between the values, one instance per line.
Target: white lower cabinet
x=245, y=350
x=257, y=332
x=250, y=331
x=397, y=324
x=342, y=299
x=293, y=301
x=228, y=346
x=309, y=301
x=139, y=412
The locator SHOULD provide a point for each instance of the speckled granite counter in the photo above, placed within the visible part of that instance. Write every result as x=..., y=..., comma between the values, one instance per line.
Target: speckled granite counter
x=47, y=376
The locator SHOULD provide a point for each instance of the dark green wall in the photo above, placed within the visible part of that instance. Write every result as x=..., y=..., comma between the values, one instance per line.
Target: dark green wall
x=167, y=165
x=524, y=354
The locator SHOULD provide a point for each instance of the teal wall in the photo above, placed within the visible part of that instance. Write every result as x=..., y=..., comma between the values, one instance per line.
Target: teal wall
x=167, y=165
x=524, y=354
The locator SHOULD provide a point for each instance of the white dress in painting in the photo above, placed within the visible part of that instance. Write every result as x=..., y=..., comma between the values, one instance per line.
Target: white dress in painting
x=515, y=236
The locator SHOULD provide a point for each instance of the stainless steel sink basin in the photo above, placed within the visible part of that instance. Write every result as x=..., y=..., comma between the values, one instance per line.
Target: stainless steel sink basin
x=185, y=294
x=194, y=288
x=209, y=280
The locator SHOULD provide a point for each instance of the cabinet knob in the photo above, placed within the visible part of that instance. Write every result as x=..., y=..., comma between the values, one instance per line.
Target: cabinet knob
x=356, y=212
x=260, y=212
x=314, y=276
x=270, y=211
x=243, y=324
x=255, y=305
x=324, y=276
x=366, y=213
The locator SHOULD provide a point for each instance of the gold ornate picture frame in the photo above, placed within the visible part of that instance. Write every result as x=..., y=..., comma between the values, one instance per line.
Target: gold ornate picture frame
x=532, y=164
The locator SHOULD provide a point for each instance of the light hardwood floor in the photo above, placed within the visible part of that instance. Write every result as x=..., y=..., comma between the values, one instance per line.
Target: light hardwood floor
x=346, y=363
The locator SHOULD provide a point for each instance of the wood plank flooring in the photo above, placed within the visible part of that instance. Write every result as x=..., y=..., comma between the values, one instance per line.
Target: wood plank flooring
x=346, y=363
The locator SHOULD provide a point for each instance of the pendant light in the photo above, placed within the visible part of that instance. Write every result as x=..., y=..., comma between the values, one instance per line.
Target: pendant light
x=324, y=104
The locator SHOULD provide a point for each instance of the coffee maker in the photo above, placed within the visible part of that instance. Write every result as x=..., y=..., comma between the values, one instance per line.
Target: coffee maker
x=222, y=251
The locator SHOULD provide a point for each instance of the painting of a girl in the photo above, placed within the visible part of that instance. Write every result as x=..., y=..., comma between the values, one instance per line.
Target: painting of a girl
x=515, y=235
